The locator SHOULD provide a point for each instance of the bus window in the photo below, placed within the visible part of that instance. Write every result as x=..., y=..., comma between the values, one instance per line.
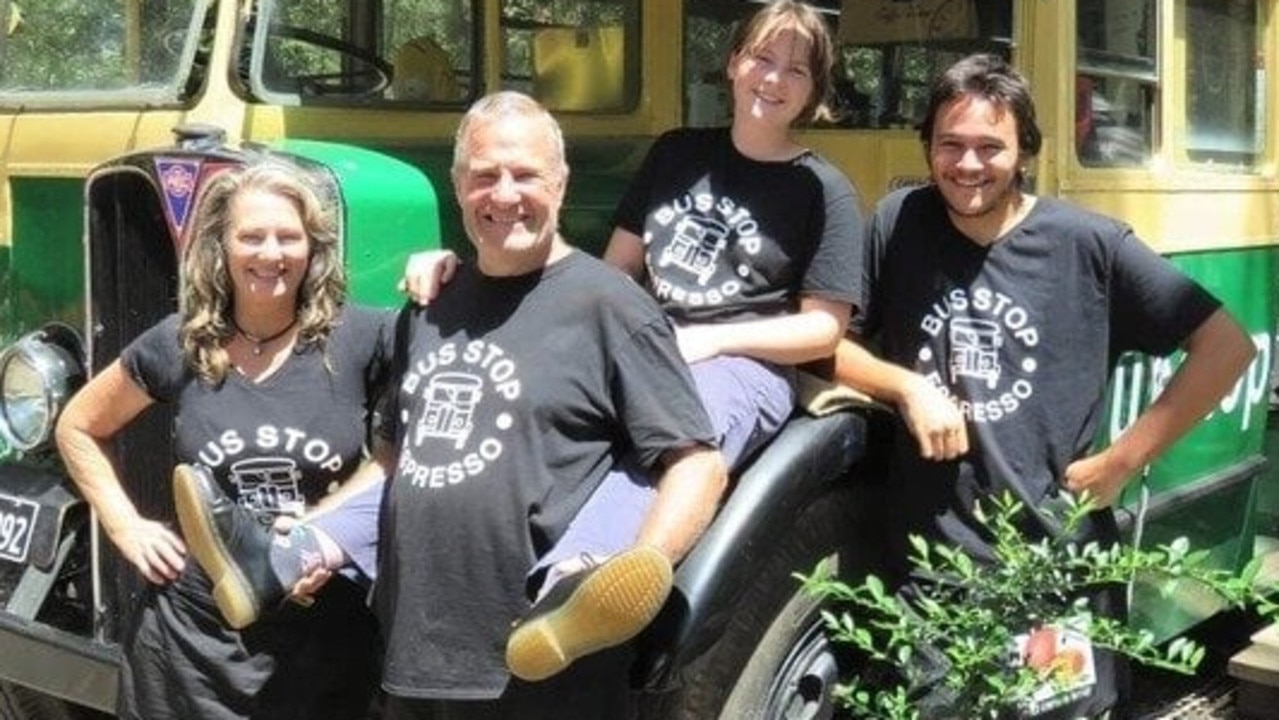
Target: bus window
x=888, y=52
x=708, y=30
x=87, y=52
x=393, y=51
x=1225, y=87
x=573, y=55
x=1118, y=82
x=433, y=49
x=302, y=50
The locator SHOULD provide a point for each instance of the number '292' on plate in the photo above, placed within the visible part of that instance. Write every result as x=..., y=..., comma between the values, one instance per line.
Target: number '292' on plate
x=17, y=523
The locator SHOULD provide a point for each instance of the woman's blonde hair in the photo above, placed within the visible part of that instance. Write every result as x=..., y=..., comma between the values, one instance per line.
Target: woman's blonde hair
x=207, y=298
x=800, y=18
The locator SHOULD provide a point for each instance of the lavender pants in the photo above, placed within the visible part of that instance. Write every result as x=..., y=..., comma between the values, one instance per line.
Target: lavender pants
x=747, y=401
x=353, y=526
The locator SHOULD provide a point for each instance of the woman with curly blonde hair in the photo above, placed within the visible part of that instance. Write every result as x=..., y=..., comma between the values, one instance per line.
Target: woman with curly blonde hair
x=271, y=377
x=207, y=299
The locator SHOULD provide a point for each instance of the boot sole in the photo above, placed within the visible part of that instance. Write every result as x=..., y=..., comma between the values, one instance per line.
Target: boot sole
x=613, y=605
x=231, y=590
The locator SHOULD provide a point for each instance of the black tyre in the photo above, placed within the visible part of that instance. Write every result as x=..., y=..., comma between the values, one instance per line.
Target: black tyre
x=22, y=703
x=774, y=661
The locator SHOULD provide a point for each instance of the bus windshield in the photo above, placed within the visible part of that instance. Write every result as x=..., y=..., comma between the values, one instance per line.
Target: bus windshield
x=573, y=55
x=99, y=52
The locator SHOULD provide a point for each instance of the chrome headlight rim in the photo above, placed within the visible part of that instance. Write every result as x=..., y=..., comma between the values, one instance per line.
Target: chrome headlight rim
x=52, y=354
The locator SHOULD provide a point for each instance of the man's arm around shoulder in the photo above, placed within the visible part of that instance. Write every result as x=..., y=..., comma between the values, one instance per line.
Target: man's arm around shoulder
x=933, y=419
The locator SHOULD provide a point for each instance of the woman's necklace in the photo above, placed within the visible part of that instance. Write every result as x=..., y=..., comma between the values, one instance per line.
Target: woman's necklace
x=259, y=342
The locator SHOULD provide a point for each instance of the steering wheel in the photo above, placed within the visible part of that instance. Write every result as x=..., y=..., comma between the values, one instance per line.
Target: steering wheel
x=370, y=75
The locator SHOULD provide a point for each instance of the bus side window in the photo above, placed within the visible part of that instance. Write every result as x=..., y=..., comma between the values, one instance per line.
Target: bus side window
x=580, y=69
x=708, y=29
x=573, y=56
x=889, y=51
x=1084, y=135
x=433, y=48
x=1112, y=122
x=1117, y=82
x=424, y=73
x=1225, y=83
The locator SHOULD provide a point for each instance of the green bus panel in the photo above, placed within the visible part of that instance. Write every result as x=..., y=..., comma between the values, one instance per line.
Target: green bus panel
x=42, y=271
x=8, y=322
x=391, y=210
x=1245, y=282
x=1212, y=475
x=44, y=280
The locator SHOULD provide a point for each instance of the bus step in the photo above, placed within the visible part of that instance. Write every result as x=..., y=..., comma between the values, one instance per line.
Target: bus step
x=1256, y=667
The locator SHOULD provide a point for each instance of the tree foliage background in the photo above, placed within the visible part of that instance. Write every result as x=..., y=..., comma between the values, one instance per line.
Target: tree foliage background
x=107, y=44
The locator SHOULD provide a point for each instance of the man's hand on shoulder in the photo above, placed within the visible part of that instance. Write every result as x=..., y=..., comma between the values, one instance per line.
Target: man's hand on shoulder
x=426, y=273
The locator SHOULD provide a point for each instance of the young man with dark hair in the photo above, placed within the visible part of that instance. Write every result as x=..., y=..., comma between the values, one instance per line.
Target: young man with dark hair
x=998, y=317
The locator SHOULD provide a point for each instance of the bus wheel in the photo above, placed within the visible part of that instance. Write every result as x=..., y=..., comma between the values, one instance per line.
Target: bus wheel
x=18, y=702
x=773, y=661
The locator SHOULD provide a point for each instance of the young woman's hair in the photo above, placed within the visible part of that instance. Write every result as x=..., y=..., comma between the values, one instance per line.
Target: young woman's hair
x=797, y=17
x=207, y=296
x=991, y=78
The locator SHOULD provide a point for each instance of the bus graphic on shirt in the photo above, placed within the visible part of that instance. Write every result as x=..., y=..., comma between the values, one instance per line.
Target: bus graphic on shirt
x=451, y=398
x=269, y=485
x=696, y=247
x=974, y=350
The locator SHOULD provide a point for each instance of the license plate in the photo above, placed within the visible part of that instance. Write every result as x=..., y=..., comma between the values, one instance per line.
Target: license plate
x=17, y=525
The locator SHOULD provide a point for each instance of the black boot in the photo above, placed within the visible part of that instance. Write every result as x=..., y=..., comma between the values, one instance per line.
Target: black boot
x=232, y=546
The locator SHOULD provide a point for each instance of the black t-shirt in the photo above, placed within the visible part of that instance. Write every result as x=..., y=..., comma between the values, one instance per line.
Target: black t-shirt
x=1024, y=334
x=518, y=395
x=276, y=443
x=269, y=444
x=731, y=238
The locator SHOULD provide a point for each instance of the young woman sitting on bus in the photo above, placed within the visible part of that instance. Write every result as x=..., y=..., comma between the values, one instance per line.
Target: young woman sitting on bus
x=750, y=242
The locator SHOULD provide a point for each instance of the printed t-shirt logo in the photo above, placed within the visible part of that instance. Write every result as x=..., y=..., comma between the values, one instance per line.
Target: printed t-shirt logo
x=262, y=465
x=454, y=415
x=269, y=485
x=984, y=342
x=693, y=243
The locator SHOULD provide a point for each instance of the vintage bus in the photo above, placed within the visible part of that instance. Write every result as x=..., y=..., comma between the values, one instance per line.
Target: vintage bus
x=1160, y=112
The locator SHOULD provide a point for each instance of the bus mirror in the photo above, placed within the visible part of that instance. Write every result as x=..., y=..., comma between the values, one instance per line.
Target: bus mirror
x=864, y=22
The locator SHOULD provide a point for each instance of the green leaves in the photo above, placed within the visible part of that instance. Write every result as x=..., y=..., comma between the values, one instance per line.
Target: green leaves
x=972, y=616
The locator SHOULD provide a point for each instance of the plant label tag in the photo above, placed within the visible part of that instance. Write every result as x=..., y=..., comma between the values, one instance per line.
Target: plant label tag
x=1063, y=658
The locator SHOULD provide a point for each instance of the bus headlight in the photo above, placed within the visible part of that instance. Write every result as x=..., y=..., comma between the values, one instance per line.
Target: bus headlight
x=37, y=375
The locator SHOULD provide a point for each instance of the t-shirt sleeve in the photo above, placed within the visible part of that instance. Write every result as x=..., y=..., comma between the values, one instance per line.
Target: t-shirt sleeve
x=835, y=272
x=656, y=397
x=154, y=360
x=377, y=371
x=1154, y=306
x=632, y=210
x=395, y=337
x=866, y=319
